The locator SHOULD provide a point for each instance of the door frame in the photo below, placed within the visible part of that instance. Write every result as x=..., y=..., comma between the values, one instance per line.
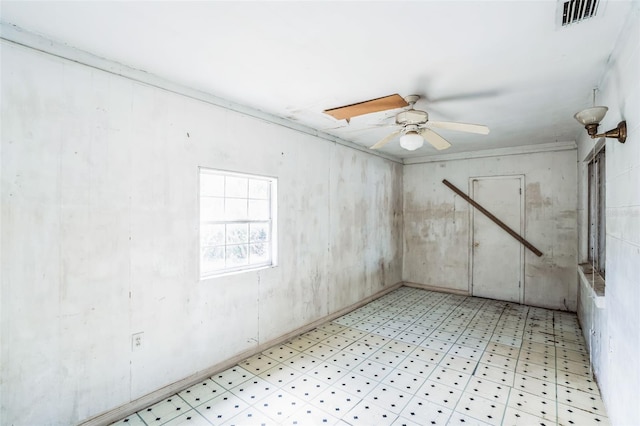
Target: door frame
x=521, y=231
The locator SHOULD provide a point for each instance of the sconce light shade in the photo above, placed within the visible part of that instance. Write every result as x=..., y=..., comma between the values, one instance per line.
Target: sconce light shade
x=591, y=115
x=411, y=141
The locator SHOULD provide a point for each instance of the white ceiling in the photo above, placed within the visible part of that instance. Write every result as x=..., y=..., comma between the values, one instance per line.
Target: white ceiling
x=506, y=64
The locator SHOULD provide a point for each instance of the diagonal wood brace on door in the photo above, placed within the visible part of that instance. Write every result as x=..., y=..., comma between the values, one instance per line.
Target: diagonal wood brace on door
x=497, y=221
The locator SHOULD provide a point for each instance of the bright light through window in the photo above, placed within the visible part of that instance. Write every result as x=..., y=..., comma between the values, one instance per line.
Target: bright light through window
x=237, y=222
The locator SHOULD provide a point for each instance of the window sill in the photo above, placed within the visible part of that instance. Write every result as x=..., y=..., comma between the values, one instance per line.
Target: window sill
x=593, y=283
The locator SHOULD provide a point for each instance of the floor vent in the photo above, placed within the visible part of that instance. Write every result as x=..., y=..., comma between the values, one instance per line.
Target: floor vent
x=574, y=11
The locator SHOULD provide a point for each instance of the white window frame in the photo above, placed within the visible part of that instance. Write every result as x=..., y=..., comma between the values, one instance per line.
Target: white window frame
x=214, y=219
x=596, y=199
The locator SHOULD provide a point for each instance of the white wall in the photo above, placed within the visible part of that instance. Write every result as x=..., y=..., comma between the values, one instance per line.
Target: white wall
x=99, y=235
x=437, y=223
x=614, y=331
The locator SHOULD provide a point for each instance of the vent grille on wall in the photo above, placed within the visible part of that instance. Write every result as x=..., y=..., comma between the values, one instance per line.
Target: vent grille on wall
x=574, y=11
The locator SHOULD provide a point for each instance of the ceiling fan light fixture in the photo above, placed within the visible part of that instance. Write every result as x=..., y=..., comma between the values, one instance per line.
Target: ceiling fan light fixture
x=411, y=140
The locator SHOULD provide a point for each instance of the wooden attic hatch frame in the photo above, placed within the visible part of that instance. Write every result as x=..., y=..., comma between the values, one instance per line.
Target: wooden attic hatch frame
x=497, y=221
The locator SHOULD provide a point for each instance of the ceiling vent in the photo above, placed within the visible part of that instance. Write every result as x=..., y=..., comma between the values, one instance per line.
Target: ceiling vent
x=574, y=11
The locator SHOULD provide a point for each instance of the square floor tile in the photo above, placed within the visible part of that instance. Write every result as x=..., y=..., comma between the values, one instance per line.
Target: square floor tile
x=417, y=366
x=202, y=392
x=389, y=398
x=361, y=349
x=232, y=377
x=449, y=377
x=373, y=370
x=488, y=411
x=404, y=381
x=374, y=340
x=535, y=386
x=132, y=420
x=281, y=353
x=327, y=372
x=586, y=401
x=579, y=382
x=542, y=372
x=345, y=359
x=424, y=412
x=258, y=363
x=300, y=343
x=303, y=362
x=280, y=375
x=458, y=363
x=305, y=387
x=535, y=405
x=280, y=406
x=439, y=394
x=253, y=390
x=400, y=347
x=310, y=415
x=251, y=416
x=352, y=333
x=222, y=408
x=572, y=416
x=516, y=417
x=332, y=327
x=495, y=374
x=335, y=401
x=190, y=418
x=164, y=411
x=500, y=361
x=366, y=413
x=488, y=389
x=321, y=351
x=427, y=355
x=462, y=419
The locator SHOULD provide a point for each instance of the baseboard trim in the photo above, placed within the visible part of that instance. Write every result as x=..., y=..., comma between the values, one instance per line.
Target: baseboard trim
x=138, y=404
x=436, y=288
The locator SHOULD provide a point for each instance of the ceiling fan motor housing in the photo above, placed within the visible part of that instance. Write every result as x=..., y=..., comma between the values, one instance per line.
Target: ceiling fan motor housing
x=412, y=117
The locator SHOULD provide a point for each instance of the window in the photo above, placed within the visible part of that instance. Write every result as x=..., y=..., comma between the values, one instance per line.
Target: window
x=597, y=230
x=237, y=222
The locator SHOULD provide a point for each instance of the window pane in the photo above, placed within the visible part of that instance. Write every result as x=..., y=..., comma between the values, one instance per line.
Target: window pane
x=235, y=222
x=259, y=253
x=212, y=235
x=237, y=233
x=259, y=210
x=259, y=232
x=236, y=187
x=258, y=189
x=212, y=259
x=211, y=209
x=236, y=209
x=211, y=185
x=237, y=255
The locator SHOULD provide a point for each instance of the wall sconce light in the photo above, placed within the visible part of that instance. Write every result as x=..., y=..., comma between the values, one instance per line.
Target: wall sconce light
x=590, y=118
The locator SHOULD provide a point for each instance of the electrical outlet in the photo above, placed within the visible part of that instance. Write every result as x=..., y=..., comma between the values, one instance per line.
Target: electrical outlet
x=136, y=341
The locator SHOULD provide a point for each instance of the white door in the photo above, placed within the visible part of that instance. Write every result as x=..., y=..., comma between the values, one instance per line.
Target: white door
x=497, y=257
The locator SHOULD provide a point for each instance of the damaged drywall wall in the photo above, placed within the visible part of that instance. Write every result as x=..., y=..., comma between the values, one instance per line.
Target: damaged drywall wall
x=437, y=223
x=100, y=237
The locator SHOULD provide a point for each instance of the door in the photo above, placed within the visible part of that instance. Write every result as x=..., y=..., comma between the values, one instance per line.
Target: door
x=497, y=259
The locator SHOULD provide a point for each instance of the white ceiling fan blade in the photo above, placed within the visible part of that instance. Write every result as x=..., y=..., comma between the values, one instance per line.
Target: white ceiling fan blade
x=461, y=127
x=435, y=139
x=385, y=140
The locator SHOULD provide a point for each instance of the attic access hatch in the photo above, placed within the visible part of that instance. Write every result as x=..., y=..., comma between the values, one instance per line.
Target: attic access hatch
x=574, y=11
x=347, y=112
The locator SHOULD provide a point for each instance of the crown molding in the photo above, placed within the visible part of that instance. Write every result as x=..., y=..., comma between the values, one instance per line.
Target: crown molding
x=498, y=152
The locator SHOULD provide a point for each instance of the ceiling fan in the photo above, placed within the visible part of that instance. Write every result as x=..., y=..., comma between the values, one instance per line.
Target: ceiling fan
x=415, y=126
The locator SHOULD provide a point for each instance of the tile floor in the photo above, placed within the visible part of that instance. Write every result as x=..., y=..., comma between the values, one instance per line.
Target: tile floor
x=411, y=357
